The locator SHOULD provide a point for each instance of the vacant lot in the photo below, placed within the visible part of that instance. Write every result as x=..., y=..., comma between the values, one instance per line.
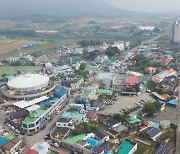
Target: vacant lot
x=15, y=69
x=7, y=45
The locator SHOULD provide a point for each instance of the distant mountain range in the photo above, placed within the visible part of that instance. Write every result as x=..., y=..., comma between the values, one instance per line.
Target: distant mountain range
x=57, y=9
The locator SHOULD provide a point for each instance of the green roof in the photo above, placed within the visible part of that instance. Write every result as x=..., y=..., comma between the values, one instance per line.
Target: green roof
x=104, y=91
x=94, y=64
x=75, y=139
x=9, y=136
x=135, y=120
x=85, y=93
x=73, y=114
x=34, y=116
x=125, y=147
x=112, y=61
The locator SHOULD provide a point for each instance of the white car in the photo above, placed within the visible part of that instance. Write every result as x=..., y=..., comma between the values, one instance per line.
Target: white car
x=54, y=144
x=8, y=124
x=128, y=107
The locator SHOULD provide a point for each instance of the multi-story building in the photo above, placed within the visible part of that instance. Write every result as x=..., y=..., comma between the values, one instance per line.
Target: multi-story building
x=175, y=36
x=38, y=118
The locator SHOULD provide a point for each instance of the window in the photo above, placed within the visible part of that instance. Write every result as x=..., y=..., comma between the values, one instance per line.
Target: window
x=31, y=125
x=37, y=122
x=24, y=126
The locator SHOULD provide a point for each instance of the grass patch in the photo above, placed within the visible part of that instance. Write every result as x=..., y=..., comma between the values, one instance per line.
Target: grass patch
x=170, y=134
x=14, y=69
x=144, y=149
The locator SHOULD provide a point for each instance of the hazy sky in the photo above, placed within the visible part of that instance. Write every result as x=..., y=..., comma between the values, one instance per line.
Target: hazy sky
x=147, y=5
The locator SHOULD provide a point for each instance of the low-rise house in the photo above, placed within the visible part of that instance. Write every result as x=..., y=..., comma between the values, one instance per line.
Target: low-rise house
x=127, y=84
x=65, y=122
x=73, y=81
x=92, y=115
x=76, y=112
x=39, y=148
x=165, y=96
x=101, y=135
x=152, y=70
x=10, y=146
x=76, y=143
x=158, y=78
x=152, y=132
x=173, y=103
x=108, y=147
x=110, y=122
x=98, y=104
x=165, y=124
x=126, y=147
x=98, y=150
x=59, y=133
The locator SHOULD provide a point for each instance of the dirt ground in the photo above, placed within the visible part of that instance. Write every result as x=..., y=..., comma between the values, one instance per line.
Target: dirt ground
x=7, y=45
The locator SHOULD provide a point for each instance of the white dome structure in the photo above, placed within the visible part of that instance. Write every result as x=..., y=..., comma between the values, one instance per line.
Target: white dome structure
x=28, y=82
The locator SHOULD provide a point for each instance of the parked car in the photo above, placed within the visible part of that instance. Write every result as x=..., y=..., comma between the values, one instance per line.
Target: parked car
x=47, y=137
x=54, y=144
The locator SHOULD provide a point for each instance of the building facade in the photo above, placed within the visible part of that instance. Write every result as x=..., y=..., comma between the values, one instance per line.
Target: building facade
x=175, y=36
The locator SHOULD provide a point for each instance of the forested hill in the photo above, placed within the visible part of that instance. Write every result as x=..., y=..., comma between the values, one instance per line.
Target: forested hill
x=20, y=9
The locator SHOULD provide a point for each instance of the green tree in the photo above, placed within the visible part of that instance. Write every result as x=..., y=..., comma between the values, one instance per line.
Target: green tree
x=82, y=67
x=120, y=117
x=149, y=108
x=157, y=105
x=93, y=54
x=151, y=85
x=112, y=51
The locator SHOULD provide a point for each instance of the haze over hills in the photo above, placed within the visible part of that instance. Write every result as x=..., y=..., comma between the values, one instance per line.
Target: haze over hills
x=20, y=9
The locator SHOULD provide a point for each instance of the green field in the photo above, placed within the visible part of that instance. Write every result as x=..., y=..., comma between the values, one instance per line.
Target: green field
x=15, y=69
x=144, y=149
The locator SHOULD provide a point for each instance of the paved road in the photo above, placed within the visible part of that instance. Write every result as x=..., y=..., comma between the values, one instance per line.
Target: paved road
x=142, y=44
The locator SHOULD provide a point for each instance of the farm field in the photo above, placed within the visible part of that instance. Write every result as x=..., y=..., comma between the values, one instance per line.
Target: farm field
x=45, y=47
x=8, y=45
x=15, y=69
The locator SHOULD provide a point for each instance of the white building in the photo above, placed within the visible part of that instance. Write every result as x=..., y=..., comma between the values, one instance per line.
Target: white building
x=175, y=36
x=148, y=28
x=41, y=147
x=65, y=122
x=120, y=45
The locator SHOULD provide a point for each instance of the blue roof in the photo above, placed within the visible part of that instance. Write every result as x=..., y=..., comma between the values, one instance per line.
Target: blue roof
x=94, y=142
x=155, y=125
x=173, y=102
x=61, y=92
x=169, y=52
x=3, y=140
x=32, y=44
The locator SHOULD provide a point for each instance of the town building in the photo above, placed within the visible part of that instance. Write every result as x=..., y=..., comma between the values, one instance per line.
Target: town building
x=175, y=35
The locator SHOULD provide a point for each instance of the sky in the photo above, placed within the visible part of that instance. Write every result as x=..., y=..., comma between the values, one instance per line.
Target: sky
x=147, y=5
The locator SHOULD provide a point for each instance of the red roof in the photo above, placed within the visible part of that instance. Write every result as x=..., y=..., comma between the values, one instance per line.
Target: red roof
x=170, y=72
x=62, y=152
x=91, y=114
x=132, y=80
x=31, y=151
x=157, y=78
x=165, y=96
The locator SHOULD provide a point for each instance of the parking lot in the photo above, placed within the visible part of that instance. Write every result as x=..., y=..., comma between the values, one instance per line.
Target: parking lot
x=122, y=102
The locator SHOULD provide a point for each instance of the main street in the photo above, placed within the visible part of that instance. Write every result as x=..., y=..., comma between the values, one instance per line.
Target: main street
x=135, y=49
